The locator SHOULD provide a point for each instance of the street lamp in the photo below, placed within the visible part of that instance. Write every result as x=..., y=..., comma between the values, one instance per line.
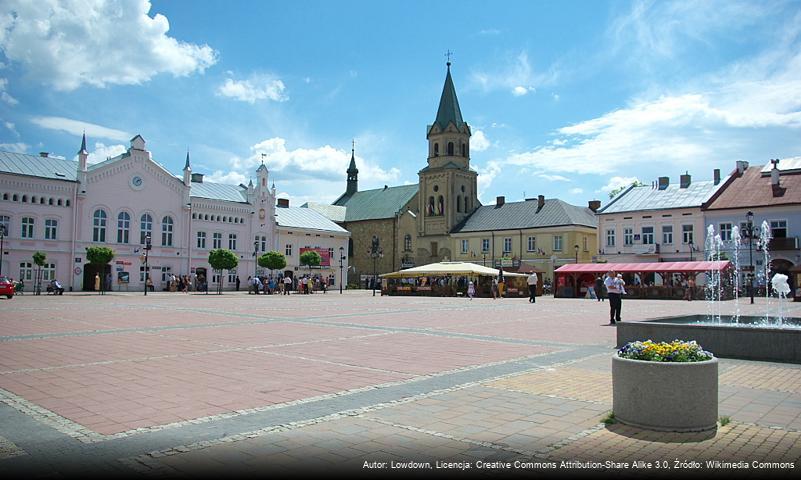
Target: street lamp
x=255, y=257
x=341, y=277
x=577, y=249
x=375, y=252
x=749, y=233
x=2, y=238
x=148, y=246
x=690, y=243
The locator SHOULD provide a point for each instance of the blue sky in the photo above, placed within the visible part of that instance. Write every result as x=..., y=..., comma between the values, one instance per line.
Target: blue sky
x=565, y=99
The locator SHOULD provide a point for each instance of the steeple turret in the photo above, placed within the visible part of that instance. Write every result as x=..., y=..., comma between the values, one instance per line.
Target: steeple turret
x=187, y=171
x=83, y=157
x=353, y=172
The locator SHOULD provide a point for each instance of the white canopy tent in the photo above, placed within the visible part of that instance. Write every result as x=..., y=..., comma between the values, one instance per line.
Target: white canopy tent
x=449, y=268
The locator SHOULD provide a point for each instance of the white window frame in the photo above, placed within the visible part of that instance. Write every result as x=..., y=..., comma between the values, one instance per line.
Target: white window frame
x=465, y=245
x=485, y=245
x=785, y=227
x=232, y=276
x=123, y=227
x=51, y=229
x=687, y=235
x=557, y=243
x=611, y=237
x=531, y=244
x=644, y=235
x=667, y=235
x=145, y=228
x=5, y=224
x=167, y=225
x=48, y=272
x=165, y=273
x=99, y=222
x=232, y=241
x=216, y=241
x=28, y=227
x=628, y=236
x=201, y=240
x=26, y=271
x=725, y=233
x=507, y=245
x=288, y=250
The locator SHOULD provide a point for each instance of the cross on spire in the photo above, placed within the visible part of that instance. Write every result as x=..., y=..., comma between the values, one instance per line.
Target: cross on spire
x=448, y=55
x=262, y=158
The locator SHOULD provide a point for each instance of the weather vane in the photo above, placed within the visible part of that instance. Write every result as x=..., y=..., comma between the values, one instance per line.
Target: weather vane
x=448, y=54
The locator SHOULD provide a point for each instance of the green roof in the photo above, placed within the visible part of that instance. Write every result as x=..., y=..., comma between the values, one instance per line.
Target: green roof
x=527, y=214
x=449, y=110
x=53, y=168
x=374, y=204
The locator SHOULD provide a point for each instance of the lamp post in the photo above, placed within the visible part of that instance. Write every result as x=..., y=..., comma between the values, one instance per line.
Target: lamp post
x=577, y=249
x=2, y=238
x=690, y=243
x=749, y=233
x=341, y=275
x=375, y=253
x=148, y=246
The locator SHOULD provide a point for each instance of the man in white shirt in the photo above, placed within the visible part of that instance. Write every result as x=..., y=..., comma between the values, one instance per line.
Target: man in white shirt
x=532, y=287
x=613, y=290
x=287, y=284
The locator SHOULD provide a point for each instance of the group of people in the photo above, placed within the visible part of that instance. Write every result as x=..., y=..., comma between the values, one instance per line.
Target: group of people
x=283, y=285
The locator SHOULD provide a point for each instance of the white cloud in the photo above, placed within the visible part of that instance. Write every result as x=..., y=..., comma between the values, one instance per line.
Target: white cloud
x=516, y=76
x=555, y=97
x=479, y=141
x=310, y=173
x=4, y=96
x=78, y=127
x=616, y=182
x=11, y=128
x=576, y=191
x=553, y=178
x=257, y=87
x=103, y=152
x=486, y=175
x=95, y=42
x=18, y=147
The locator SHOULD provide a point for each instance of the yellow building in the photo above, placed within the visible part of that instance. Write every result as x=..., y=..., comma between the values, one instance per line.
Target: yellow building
x=538, y=233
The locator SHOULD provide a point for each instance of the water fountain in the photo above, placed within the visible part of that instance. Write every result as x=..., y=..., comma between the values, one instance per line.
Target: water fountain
x=772, y=336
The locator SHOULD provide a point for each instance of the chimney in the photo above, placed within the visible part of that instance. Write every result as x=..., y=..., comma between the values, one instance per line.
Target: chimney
x=283, y=203
x=594, y=205
x=499, y=201
x=684, y=180
x=197, y=178
x=742, y=166
x=716, y=176
x=540, y=202
x=664, y=182
x=44, y=154
x=774, y=172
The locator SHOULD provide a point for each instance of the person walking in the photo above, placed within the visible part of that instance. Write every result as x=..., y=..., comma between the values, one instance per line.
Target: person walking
x=532, y=287
x=501, y=283
x=471, y=290
x=494, y=288
x=599, y=288
x=237, y=283
x=613, y=289
x=287, y=284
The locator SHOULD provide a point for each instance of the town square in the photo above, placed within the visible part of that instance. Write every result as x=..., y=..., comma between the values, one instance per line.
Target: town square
x=460, y=238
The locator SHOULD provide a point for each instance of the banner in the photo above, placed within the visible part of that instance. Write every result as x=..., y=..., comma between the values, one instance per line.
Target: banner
x=324, y=255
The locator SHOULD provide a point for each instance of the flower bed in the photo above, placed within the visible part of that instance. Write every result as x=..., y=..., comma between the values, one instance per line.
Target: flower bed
x=675, y=351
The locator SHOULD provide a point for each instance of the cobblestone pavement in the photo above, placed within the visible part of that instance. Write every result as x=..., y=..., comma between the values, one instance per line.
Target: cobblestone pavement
x=176, y=384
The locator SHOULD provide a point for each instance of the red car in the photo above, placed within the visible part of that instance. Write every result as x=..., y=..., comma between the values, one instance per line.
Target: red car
x=6, y=287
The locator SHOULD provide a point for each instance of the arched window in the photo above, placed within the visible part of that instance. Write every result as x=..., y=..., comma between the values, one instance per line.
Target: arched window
x=458, y=204
x=67, y=203
x=24, y=199
x=350, y=247
x=407, y=243
x=123, y=227
x=450, y=148
x=16, y=198
x=431, y=205
x=5, y=196
x=166, y=231
x=33, y=199
x=464, y=150
x=441, y=205
x=50, y=201
x=225, y=219
x=145, y=228
x=99, y=226
x=466, y=203
x=436, y=149
x=41, y=200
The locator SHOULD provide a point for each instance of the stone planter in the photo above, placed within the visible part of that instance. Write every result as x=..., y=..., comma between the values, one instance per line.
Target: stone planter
x=665, y=396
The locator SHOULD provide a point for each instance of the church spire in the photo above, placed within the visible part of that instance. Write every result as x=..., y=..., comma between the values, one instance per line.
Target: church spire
x=83, y=145
x=186, y=165
x=449, y=110
x=353, y=172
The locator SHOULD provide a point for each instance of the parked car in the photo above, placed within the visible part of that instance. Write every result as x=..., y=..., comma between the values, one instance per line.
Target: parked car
x=6, y=287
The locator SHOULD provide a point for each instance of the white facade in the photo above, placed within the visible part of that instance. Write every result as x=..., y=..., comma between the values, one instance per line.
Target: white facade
x=296, y=233
x=117, y=203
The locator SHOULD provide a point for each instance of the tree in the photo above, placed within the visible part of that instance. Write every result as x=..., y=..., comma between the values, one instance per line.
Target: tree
x=310, y=258
x=222, y=259
x=39, y=259
x=272, y=260
x=635, y=183
x=100, y=256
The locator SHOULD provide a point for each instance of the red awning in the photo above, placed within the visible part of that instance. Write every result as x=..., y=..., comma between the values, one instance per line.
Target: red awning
x=658, y=267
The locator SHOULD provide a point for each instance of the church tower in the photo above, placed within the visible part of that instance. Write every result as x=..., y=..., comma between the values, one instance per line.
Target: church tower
x=448, y=186
x=353, y=173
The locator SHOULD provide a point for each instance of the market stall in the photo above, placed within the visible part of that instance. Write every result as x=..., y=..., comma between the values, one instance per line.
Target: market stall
x=450, y=279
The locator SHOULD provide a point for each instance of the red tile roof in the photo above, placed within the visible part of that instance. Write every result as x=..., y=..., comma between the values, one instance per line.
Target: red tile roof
x=754, y=190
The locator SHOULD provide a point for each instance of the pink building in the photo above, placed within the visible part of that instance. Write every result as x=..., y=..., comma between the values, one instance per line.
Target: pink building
x=60, y=207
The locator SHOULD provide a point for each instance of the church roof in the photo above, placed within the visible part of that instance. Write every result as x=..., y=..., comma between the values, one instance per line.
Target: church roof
x=38, y=166
x=334, y=212
x=375, y=204
x=520, y=215
x=449, y=110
